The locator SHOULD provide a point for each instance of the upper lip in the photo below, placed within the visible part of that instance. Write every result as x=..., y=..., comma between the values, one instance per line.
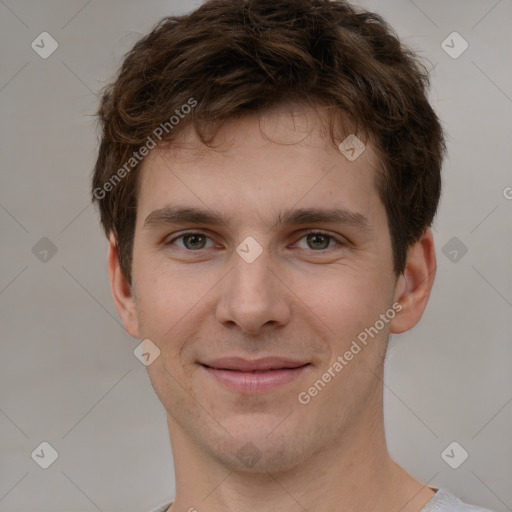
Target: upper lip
x=247, y=365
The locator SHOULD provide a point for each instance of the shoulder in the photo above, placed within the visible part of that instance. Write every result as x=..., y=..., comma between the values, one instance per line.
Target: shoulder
x=444, y=501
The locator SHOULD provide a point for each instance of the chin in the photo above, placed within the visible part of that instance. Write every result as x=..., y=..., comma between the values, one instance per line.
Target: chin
x=256, y=447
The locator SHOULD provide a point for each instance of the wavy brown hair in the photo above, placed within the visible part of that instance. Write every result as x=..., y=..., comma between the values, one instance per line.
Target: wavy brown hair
x=242, y=56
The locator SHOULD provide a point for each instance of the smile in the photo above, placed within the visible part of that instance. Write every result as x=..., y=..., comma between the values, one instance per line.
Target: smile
x=255, y=381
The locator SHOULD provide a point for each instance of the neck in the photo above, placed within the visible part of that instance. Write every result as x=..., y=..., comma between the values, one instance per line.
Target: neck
x=353, y=473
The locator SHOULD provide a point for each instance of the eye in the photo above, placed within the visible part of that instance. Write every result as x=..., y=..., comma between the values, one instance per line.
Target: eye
x=318, y=240
x=192, y=241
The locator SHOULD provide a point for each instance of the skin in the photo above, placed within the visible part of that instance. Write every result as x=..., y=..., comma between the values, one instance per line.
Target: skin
x=304, y=297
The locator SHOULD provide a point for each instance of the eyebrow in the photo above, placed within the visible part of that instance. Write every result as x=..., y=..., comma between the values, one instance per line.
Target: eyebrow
x=171, y=215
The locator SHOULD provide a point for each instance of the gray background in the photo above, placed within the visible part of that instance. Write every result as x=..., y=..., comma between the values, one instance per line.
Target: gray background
x=68, y=375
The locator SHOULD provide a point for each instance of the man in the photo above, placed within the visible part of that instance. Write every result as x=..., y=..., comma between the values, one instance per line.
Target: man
x=267, y=176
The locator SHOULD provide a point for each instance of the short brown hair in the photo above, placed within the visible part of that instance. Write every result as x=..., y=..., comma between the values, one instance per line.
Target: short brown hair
x=233, y=57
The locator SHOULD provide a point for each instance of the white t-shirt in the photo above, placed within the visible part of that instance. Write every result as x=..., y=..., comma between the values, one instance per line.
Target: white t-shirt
x=442, y=501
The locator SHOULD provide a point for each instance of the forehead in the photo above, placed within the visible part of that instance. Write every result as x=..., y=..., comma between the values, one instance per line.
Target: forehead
x=285, y=124
x=275, y=159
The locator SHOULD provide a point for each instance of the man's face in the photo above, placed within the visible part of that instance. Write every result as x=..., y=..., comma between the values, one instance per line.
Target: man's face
x=305, y=297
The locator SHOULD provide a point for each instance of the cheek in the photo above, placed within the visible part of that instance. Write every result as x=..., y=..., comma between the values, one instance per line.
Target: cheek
x=171, y=312
x=346, y=300
x=172, y=302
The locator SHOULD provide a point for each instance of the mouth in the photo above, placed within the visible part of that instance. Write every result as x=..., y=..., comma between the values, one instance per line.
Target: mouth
x=255, y=365
x=254, y=371
x=252, y=377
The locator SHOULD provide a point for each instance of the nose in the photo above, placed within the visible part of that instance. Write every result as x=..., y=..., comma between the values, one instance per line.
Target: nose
x=253, y=297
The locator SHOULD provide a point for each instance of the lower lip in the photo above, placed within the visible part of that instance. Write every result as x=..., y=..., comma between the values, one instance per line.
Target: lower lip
x=247, y=382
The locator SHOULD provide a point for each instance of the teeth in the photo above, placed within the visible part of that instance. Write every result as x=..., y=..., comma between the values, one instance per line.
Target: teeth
x=264, y=371
x=253, y=371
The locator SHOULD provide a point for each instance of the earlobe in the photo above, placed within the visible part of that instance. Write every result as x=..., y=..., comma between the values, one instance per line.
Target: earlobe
x=415, y=284
x=122, y=293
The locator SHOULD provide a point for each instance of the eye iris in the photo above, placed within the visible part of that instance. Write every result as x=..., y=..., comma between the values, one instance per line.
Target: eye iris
x=194, y=237
x=316, y=236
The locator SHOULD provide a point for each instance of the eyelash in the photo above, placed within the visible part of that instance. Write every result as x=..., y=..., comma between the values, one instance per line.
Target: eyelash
x=309, y=232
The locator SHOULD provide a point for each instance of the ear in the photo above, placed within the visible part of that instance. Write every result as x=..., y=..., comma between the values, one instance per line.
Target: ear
x=122, y=291
x=414, y=285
